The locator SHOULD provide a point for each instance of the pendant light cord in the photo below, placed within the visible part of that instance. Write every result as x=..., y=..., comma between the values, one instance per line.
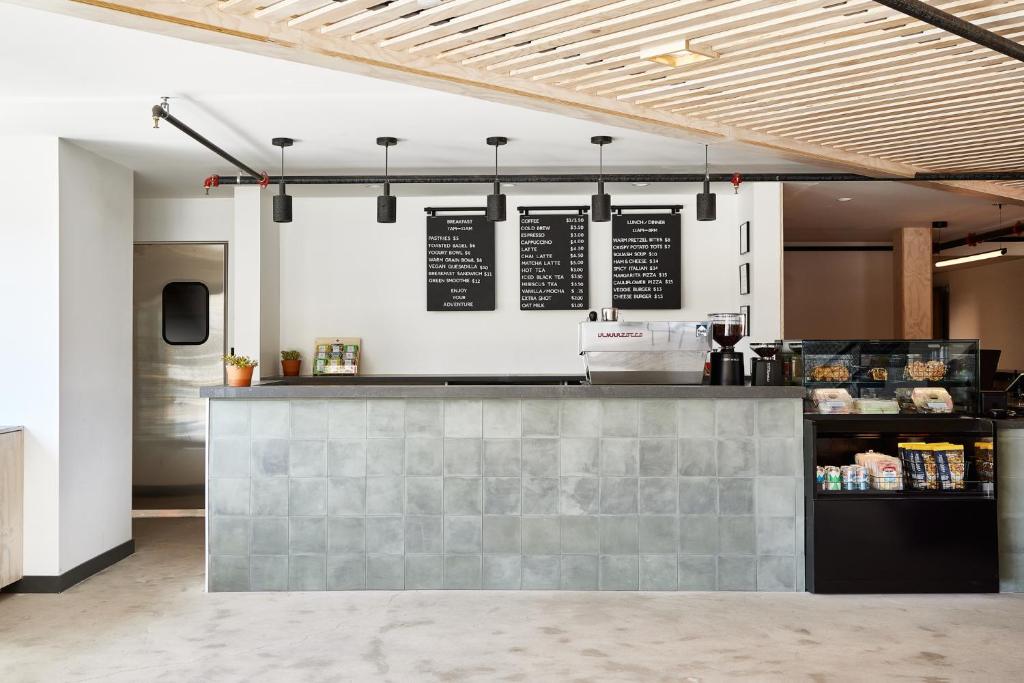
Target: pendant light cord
x=707, y=169
x=387, y=176
x=496, y=163
x=600, y=162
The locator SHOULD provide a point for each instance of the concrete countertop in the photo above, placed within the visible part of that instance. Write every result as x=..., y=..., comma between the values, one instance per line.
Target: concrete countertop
x=5, y=430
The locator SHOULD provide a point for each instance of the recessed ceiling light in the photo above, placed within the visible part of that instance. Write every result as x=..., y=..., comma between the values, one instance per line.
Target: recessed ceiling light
x=845, y=199
x=640, y=184
x=678, y=53
x=985, y=255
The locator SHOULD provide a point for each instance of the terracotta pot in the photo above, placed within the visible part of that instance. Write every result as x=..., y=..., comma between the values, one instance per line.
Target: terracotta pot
x=290, y=368
x=239, y=377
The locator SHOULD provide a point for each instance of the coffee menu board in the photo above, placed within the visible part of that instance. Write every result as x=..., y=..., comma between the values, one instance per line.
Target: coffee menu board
x=460, y=263
x=552, y=262
x=646, y=261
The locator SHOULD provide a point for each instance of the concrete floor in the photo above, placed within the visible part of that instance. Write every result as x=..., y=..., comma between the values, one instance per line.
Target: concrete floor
x=148, y=619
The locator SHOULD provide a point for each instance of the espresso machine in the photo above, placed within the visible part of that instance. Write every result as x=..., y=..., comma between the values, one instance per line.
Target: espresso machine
x=766, y=370
x=726, y=362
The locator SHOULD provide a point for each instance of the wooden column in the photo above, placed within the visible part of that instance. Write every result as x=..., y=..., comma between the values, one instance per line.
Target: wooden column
x=912, y=286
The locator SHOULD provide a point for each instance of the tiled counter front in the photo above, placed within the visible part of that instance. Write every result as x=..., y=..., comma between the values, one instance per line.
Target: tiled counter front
x=613, y=494
x=1010, y=475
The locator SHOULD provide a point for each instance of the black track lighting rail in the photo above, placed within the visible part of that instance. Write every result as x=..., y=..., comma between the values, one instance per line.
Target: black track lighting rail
x=672, y=208
x=581, y=210
x=434, y=210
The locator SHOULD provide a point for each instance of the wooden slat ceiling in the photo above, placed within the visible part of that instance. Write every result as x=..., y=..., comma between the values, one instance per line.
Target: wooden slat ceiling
x=850, y=76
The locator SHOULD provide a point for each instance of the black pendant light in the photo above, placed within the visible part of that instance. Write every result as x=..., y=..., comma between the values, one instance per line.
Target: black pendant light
x=496, y=201
x=387, y=203
x=282, y=200
x=600, y=203
x=706, y=210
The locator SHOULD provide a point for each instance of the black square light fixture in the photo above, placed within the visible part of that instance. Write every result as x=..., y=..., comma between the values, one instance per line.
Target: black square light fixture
x=387, y=203
x=706, y=208
x=600, y=203
x=282, y=200
x=496, y=200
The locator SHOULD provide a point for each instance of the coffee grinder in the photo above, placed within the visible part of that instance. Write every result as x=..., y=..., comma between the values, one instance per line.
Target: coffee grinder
x=766, y=370
x=727, y=362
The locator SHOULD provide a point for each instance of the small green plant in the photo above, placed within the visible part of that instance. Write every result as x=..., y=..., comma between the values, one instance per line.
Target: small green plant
x=240, y=361
x=290, y=355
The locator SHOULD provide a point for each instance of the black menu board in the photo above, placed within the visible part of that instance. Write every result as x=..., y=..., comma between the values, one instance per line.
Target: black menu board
x=460, y=263
x=646, y=261
x=552, y=262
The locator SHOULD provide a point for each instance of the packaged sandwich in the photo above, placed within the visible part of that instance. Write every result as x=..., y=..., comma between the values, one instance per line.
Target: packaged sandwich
x=884, y=471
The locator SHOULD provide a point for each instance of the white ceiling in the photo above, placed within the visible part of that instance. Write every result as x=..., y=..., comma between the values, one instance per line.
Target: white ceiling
x=94, y=84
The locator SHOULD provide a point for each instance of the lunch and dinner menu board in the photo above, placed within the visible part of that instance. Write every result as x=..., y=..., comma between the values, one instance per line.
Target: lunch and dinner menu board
x=646, y=261
x=460, y=263
x=552, y=262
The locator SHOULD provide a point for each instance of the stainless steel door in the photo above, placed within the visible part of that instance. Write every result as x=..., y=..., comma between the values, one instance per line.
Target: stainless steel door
x=169, y=417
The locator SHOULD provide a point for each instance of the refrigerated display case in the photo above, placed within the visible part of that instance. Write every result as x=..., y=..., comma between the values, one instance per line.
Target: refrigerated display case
x=930, y=528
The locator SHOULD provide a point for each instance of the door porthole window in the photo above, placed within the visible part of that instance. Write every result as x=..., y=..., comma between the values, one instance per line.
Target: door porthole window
x=186, y=313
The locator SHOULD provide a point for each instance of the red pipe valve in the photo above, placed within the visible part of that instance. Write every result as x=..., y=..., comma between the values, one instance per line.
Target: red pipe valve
x=211, y=181
x=736, y=180
x=265, y=180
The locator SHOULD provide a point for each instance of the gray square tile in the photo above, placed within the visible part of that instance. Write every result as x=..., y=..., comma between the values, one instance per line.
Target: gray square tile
x=698, y=495
x=540, y=496
x=307, y=459
x=698, y=535
x=541, y=572
x=270, y=536
x=658, y=417
x=424, y=496
x=736, y=496
x=424, y=572
x=776, y=417
x=463, y=418
x=229, y=456
x=502, y=418
x=697, y=573
x=385, y=457
x=618, y=495
x=462, y=571
x=697, y=418
x=658, y=572
x=346, y=535
x=346, y=572
x=540, y=418
x=736, y=536
x=659, y=534
x=385, y=495
x=579, y=572
x=270, y=458
x=463, y=495
x=270, y=497
x=463, y=457
x=776, y=573
x=385, y=572
x=229, y=418
x=619, y=535
x=502, y=458
x=309, y=419
x=502, y=535
x=271, y=419
x=269, y=572
x=503, y=495
x=346, y=496
x=776, y=536
x=658, y=457
x=307, y=535
x=462, y=535
x=346, y=419
x=385, y=417
x=424, y=456
x=385, y=535
x=229, y=496
x=346, y=457
x=307, y=572
x=1011, y=535
x=658, y=496
x=776, y=496
x=579, y=495
x=423, y=535
x=737, y=457
x=737, y=573
x=580, y=417
x=579, y=457
x=780, y=457
x=424, y=418
x=307, y=496
x=697, y=458
x=540, y=457
x=735, y=417
x=541, y=536
x=502, y=572
x=618, y=417
x=619, y=457
x=228, y=573
x=580, y=535
x=229, y=535
x=619, y=573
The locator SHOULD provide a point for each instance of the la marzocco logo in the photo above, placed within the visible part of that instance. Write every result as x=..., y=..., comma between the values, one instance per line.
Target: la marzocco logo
x=619, y=335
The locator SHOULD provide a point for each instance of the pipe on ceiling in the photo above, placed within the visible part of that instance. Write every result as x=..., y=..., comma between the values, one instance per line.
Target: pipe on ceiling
x=971, y=240
x=957, y=26
x=160, y=112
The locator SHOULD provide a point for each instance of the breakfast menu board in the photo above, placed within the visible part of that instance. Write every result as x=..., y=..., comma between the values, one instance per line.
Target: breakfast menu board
x=460, y=263
x=552, y=262
x=646, y=261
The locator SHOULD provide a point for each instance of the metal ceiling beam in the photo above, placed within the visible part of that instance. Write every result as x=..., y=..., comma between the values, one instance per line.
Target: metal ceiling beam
x=957, y=26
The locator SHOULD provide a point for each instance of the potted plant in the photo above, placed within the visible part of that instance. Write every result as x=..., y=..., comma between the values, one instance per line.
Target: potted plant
x=239, y=370
x=290, y=362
